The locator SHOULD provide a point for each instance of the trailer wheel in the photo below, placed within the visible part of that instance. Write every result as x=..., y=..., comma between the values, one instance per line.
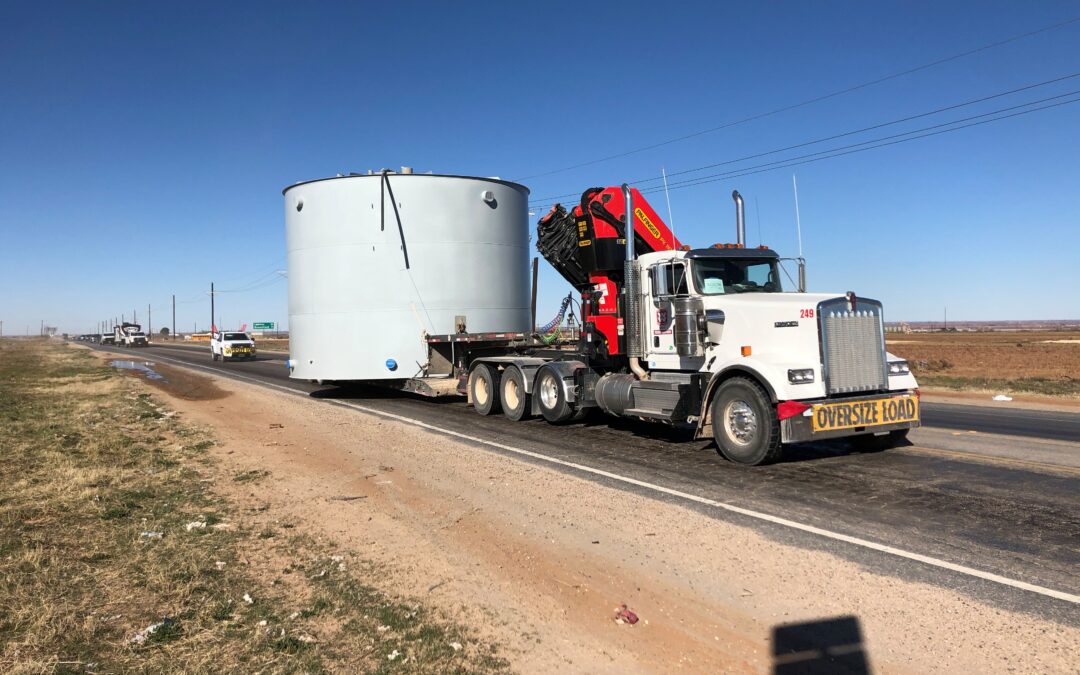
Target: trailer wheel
x=515, y=402
x=874, y=443
x=744, y=423
x=549, y=392
x=483, y=390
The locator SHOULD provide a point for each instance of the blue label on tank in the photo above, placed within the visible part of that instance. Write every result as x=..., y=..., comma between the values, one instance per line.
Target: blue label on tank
x=391, y=364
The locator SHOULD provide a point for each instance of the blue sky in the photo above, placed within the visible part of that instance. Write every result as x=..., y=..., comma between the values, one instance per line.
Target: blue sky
x=144, y=146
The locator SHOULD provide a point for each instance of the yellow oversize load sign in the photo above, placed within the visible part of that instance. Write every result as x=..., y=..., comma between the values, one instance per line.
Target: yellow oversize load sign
x=833, y=416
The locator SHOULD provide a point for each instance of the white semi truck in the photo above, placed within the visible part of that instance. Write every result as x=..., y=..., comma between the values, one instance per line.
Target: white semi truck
x=704, y=338
x=129, y=335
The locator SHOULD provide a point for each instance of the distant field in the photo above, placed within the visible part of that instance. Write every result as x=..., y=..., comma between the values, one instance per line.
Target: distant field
x=272, y=344
x=1046, y=363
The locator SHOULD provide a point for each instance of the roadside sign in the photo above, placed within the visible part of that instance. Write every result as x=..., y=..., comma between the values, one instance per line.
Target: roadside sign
x=263, y=325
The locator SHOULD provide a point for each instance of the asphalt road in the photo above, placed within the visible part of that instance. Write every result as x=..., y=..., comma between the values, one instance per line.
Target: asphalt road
x=991, y=490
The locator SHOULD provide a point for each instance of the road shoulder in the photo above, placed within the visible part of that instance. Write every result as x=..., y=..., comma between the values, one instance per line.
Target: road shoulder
x=543, y=558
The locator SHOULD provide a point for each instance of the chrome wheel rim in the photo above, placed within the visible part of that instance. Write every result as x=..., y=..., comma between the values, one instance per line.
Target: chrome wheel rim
x=740, y=422
x=549, y=392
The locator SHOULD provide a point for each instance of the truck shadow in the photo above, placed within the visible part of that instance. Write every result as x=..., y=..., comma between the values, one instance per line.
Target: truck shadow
x=684, y=436
x=674, y=438
x=358, y=391
x=833, y=645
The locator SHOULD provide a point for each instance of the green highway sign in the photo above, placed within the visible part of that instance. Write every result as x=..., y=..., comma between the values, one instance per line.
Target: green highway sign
x=264, y=325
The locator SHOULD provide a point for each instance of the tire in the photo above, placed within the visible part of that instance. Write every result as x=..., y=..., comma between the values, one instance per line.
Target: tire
x=744, y=423
x=550, y=397
x=516, y=404
x=483, y=390
x=213, y=355
x=873, y=443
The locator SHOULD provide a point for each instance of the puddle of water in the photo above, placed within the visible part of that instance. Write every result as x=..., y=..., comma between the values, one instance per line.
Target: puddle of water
x=142, y=366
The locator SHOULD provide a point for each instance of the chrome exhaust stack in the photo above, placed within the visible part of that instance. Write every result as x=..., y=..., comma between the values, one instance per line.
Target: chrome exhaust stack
x=632, y=287
x=740, y=219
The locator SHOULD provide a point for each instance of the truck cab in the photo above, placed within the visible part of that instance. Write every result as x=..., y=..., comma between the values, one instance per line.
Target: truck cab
x=781, y=367
x=225, y=346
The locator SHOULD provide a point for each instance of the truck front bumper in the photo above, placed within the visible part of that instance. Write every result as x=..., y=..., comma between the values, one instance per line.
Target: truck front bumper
x=801, y=429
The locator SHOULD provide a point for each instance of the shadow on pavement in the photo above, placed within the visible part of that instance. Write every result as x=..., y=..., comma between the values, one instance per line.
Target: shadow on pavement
x=832, y=645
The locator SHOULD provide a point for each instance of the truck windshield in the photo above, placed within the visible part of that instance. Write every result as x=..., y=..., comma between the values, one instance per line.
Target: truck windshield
x=236, y=336
x=718, y=276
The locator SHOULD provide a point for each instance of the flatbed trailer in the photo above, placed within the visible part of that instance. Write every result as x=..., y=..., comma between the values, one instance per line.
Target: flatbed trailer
x=451, y=357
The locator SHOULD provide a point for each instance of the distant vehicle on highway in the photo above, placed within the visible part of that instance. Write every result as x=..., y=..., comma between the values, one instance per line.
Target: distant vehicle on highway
x=130, y=335
x=225, y=345
x=106, y=339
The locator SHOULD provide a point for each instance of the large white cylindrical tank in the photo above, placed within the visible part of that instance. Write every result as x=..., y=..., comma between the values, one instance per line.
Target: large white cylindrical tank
x=367, y=280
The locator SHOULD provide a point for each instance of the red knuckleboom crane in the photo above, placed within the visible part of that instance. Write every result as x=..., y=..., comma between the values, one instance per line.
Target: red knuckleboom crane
x=587, y=245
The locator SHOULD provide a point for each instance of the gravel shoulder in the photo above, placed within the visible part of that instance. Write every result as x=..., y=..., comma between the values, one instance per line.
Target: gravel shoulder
x=539, y=560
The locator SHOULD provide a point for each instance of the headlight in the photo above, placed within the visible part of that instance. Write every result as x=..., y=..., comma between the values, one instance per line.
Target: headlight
x=899, y=368
x=800, y=375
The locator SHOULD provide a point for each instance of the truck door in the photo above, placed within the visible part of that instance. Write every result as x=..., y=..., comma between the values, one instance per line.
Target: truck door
x=667, y=281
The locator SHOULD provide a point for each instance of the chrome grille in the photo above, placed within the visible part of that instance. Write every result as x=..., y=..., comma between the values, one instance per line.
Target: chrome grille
x=853, y=346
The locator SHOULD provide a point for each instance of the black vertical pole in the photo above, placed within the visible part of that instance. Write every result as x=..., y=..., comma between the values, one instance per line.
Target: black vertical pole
x=532, y=313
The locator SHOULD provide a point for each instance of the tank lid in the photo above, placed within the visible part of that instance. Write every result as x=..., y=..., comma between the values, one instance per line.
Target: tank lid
x=400, y=176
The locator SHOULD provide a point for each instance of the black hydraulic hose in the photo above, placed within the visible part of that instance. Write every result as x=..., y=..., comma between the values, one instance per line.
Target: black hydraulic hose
x=556, y=240
x=382, y=203
x=397, y=215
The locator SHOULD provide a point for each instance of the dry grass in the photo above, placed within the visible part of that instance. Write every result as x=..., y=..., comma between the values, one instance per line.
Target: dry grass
x=90, y=464
x=1037, y=363
x=272, y=344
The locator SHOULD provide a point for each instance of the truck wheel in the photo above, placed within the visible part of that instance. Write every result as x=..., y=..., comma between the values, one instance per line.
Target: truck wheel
x=213, y=355
x=483, y=390
x=549, y=392
x=874, y=443
x=515, y=402
x=744, y=423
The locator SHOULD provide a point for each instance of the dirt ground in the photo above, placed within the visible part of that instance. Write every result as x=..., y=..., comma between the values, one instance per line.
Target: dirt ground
x=540, y=560
x=1030, y=363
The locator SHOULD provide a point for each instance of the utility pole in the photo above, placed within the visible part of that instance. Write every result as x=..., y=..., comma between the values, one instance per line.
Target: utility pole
x=211, y=305
x=149, y=322
x=174, y=316
x=42, y=332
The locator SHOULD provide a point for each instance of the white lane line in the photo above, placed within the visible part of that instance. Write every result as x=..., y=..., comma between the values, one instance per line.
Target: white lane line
x=828, y=534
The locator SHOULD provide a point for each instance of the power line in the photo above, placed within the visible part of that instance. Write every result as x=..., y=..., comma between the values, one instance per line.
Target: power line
x=816, y=99
x=639, y=182
x=872, y=127
x=814, y=157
